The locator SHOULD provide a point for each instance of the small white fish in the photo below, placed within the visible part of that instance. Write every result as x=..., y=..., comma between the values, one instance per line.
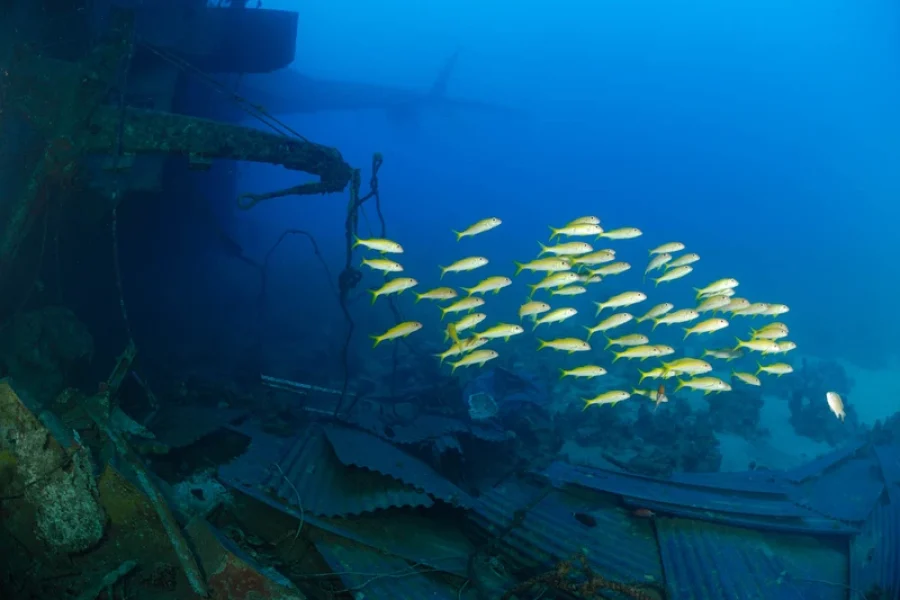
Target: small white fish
x=836, y=404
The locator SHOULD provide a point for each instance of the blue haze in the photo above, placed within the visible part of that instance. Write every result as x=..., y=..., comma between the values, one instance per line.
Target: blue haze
x=762, y=134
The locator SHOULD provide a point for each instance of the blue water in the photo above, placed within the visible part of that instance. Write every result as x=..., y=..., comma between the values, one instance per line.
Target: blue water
x=763, y=136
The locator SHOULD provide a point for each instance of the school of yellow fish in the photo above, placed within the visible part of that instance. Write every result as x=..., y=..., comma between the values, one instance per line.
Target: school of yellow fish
x=568, y=265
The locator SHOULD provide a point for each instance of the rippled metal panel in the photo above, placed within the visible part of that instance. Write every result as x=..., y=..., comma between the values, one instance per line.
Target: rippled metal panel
x=706, y=561
x=620, y=546
x=825, y=462
x=368, y=573
x=306, y=463
x=847, y=491
x=889, y=462
x=875, y=552
x=361, y=449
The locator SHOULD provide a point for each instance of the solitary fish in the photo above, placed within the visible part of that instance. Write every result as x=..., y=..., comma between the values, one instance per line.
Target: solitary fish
x=397, y=331
x=479, y=227
x=479, y=357
x=465, y=264
x=836, y=404
x=394, y=286
x=382, y=245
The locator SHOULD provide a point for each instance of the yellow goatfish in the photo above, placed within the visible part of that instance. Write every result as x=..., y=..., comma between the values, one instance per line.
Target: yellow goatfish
x=491, y=284
x=479, y=227
x=587, y=371
x=380, y=244
x=394, y=286
x=557, y=316
x=465, y=264
x=717, y=287
x=468, y=303
x=668, y=248
x=441, y=293
x=549, y=265
x=532, y=309
x=397, y=331
x=708, y=385
x=673, y=274
x=569, y=345
x=683, y=260
x=479, y=357
x=576, y=229
x=501, y=330
x=620, y=300
x=382, y=264
x=707, y=326
x=567, y=249
x=612, y=397
x=623, y=233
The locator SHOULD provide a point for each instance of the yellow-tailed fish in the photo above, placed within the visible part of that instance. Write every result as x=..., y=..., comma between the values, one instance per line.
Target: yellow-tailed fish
x=663, y=349
x=586, y=371
x=397, y=331
x=650, y=394
x=611, y=269
x=713, y=303
x=490, y=284
x=464, y=264
x=668, y=248
x=382, y=264
x=726, y=354
x=532, y=309
x=683, y=260
x=640, y=352
x=469, y=321
x=623, y=233
x=747, y=378
x=501, y=330
x=570, y=290
x=757, y=308
x=775, y=331
x=611, y=322
x=590, y=278
x=673, y=274
x=463, y=304
x=717, y=286
x=632, y=339
x=590, y=220
x=569, y=345
x=566, y=249
x=556, y=316
x=461, y=347
x=657, y=311
x=777, y=369
x=776, y=309
x=379, y=244
x=479, y=357
x=736, y=304
x=452, y=333
x=612, y=397
x=687, y=366
x=785, y=346
x=679, y=316
x=393, y=286
x=554, y=280
x=656, y=373
x=764, y=346
x=547, y=265
x=479, y=227
x=441, y=293
x=836, y=404
x=727, y=293
x=576, y=230
x=707, y=326
x=620, y=300
x=708, y=385
x=594, y=258
x=657, y=262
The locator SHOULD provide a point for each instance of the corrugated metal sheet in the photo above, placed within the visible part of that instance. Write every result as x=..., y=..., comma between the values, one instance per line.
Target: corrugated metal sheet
x=705, y=561
x=847, y=491
x=620, y=547
x=361, y=449
x=763, y=482
x=773, y=511
x=826, y=461
x=372, y=574
x=889, y=461
x=875, y=552
x=325, y=486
